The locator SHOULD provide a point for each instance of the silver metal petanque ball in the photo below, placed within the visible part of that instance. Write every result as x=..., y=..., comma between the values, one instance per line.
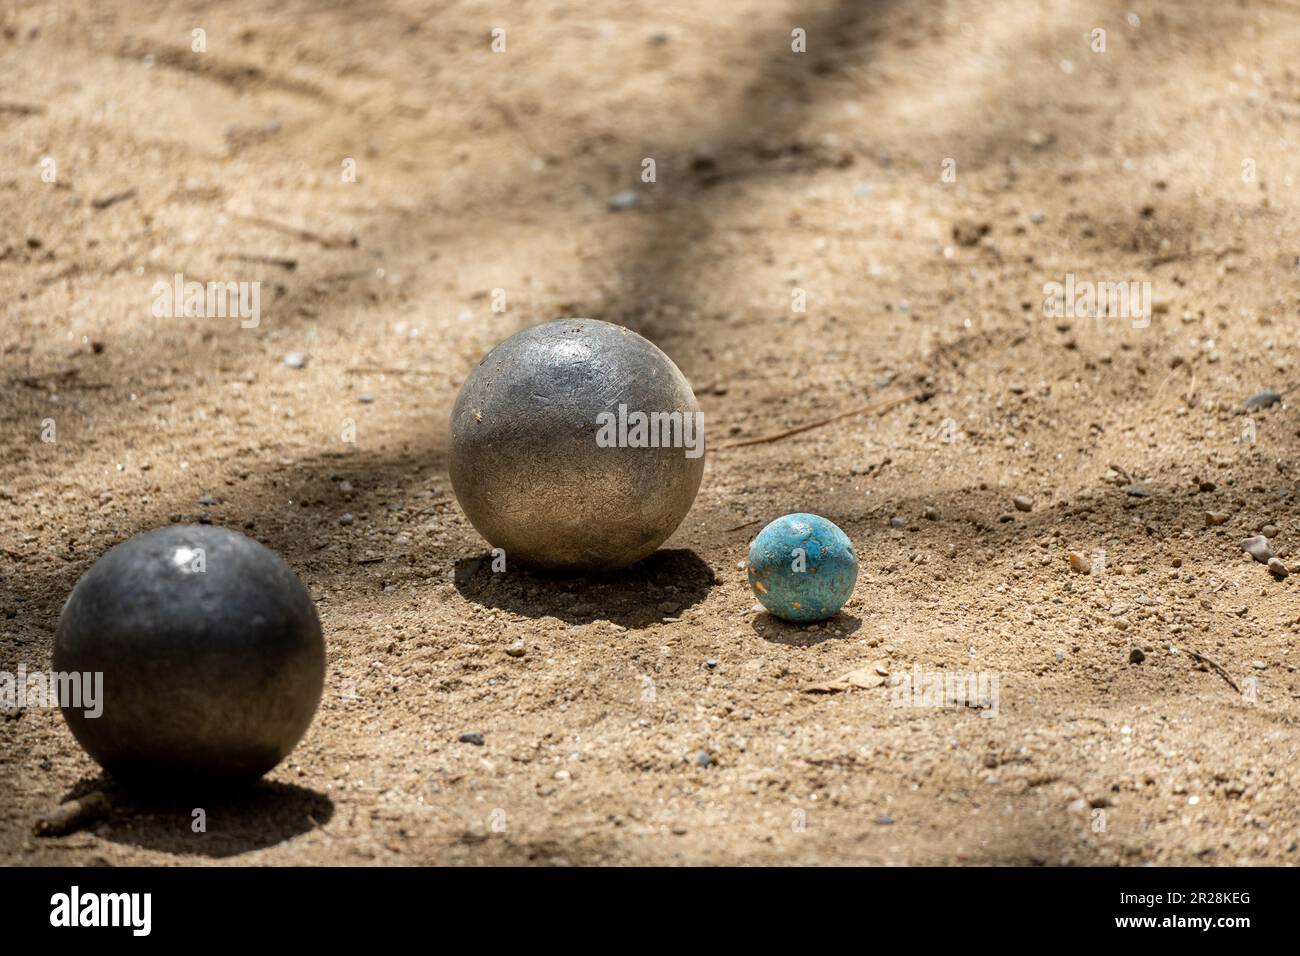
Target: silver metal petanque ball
x=577, y=446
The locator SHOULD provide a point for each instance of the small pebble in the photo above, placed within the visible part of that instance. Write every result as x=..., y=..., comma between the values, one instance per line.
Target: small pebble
x=1080, y=563
x=884, y=820
x=517, y=649
x=207, y=500
x=970, y=232
x=1137, y=491
x=296, y=360
x=1257, y=547
x=703, y=759
x=898, y=522
x=1277, y=568
x=365, y=398
x=930, y=514
x=1023, y=503
x=711, y=663
x=1269, y=531
x=627, y=199
x=1215, y=518
x=473, y=737
x=1263, y=399
x=346, y=518
x=1136, y=656
x=205, y=518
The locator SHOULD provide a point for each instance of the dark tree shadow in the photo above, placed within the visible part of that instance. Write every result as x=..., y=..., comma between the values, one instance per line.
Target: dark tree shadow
x=761, y=138
x=776, y=631
x=663, y=585
x=237, y=819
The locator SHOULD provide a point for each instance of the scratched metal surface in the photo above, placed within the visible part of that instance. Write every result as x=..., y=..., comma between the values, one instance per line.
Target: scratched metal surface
x=525, y=464
x=211, y=652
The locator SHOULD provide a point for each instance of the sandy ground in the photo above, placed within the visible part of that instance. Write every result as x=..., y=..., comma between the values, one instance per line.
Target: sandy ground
x=1167, y=158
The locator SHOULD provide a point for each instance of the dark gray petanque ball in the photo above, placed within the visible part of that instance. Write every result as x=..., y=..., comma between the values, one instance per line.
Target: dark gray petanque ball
x=211, y=653
x=576, y=445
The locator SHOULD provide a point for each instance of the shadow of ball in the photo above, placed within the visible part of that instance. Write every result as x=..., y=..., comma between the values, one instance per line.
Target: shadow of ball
x=210, y=652
x=576, y=446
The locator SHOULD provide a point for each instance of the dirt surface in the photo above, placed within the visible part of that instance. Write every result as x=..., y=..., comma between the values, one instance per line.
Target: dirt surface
x=1167, y=158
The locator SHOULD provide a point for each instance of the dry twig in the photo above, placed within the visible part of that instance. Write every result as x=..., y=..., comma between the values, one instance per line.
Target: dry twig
x=877, y=407
x=112, y=199
x=72, y=816
x=307, y=235
x=1217, y=668
x=380, y=370
x=283, y=262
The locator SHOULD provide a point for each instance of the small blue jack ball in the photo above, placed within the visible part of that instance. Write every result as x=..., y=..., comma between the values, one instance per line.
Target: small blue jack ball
x=802, y=568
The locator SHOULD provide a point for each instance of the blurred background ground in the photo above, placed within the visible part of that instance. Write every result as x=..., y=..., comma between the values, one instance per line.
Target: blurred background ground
x=1169, y=157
